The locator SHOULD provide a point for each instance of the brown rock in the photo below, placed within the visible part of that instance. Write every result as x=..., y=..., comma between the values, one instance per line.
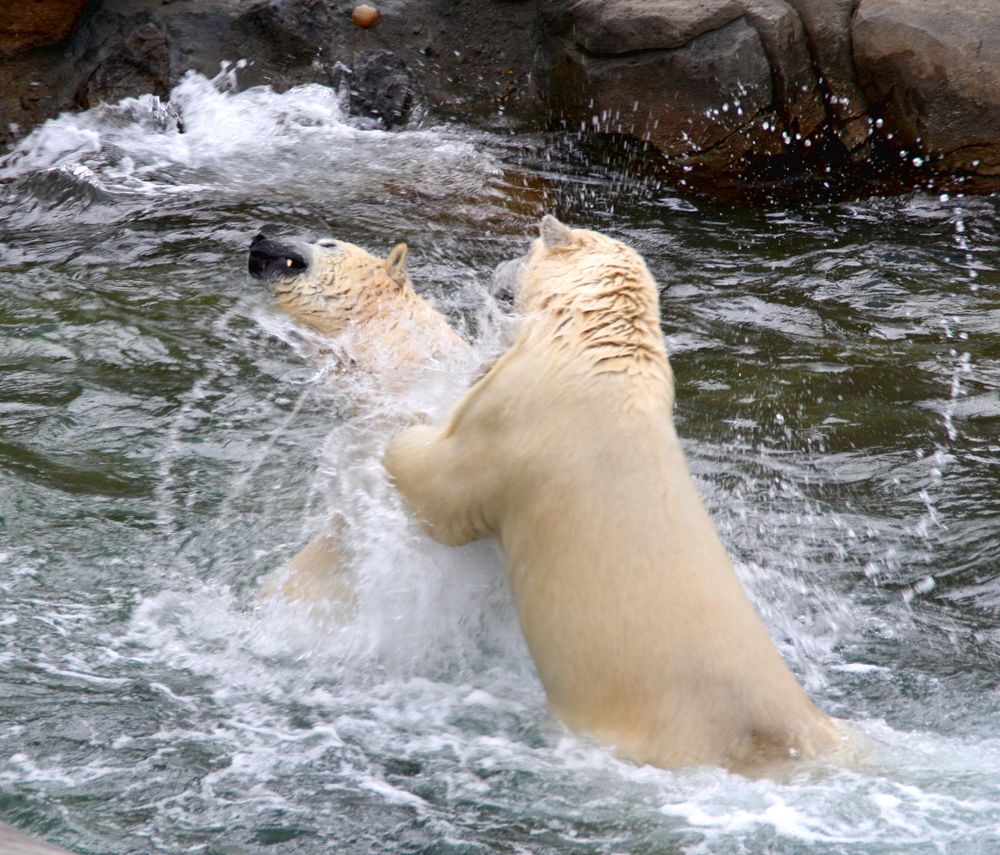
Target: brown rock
x=934, y=69
x=364, y=15
x=34, y=23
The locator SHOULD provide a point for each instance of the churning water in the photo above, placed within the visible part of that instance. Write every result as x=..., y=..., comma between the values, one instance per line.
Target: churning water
x=167, y=440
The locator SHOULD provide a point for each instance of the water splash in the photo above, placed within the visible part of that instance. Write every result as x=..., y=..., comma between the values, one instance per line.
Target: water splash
x=209, y=137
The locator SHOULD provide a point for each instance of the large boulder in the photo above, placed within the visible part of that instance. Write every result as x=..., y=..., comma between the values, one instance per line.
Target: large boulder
x=33, y=68
x=933, y=70
x=737, y=86
x=131, y=59
x=691, y=79
x=32, y=24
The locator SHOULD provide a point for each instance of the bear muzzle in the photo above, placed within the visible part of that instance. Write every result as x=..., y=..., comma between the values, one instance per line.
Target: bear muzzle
x=271, y=259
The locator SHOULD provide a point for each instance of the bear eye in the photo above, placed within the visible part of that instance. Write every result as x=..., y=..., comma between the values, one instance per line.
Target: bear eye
x=327, y=244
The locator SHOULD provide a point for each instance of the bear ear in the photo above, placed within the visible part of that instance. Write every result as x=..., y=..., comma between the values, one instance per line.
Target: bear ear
x=396, y=263
x=555, y=233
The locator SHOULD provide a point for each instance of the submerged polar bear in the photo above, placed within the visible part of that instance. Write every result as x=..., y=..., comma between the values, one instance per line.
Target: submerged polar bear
x=383, y=335
x=566, y=452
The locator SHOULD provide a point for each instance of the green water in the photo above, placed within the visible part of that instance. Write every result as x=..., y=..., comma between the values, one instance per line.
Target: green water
x=166, y=440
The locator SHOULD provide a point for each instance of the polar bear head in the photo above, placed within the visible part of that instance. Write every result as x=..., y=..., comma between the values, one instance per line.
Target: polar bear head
x=329, y=284
x=590, y=295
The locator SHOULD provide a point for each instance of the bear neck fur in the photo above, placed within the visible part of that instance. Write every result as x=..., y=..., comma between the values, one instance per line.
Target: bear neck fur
x=380, y=320
x=603, y=319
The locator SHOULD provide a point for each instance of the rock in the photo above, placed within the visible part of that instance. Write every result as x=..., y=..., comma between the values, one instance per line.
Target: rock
x=286, y=35
x=466, y=59
x=364, y=15
x=933, y=70
x=480, y=59
x=380, y=87
x=712, y=77
x=138, y=63
x=30, y=24
x=828, y=29
x=612, y=27
x=472, y=59
x=798, y=96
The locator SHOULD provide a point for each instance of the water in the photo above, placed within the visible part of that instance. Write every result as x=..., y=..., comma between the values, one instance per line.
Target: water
x=167, y=440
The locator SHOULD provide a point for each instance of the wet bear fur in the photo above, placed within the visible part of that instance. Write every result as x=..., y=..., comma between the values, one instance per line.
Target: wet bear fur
x=566, y=452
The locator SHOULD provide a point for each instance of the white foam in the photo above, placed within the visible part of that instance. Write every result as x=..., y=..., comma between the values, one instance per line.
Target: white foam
x=209, y=137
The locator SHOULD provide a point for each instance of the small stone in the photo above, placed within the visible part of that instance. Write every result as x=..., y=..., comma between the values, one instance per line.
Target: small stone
x=364, y=15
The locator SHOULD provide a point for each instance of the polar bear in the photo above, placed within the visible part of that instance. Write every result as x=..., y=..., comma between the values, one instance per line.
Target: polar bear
x=336, y=288
x=383, y=334
x=566, y=452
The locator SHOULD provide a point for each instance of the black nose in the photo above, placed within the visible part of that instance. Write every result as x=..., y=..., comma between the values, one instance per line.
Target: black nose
x=270, y=258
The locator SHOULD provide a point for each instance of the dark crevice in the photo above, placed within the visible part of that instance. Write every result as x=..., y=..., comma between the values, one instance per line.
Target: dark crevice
x=746, y=127
x=818, y=76
x=772, y=57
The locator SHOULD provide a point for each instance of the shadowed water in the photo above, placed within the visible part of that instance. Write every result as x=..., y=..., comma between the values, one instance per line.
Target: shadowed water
x=166, y=440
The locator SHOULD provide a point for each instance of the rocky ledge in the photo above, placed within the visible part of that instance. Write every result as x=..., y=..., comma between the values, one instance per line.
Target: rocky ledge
x=726, y=90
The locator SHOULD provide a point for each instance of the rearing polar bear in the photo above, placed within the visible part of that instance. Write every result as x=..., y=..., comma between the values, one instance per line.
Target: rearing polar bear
x=566, y=452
